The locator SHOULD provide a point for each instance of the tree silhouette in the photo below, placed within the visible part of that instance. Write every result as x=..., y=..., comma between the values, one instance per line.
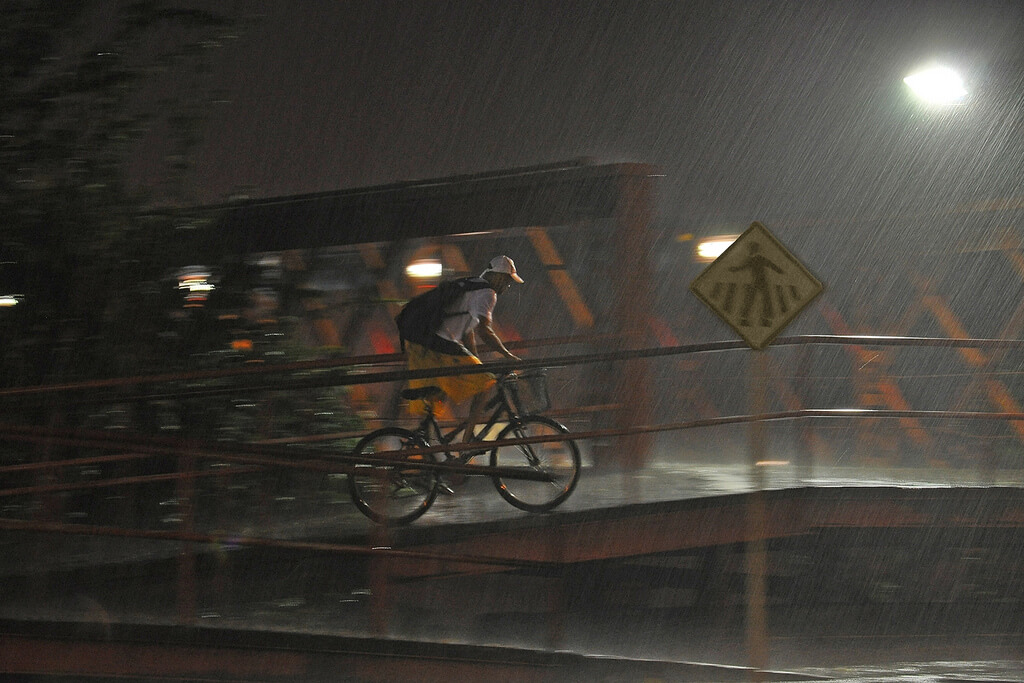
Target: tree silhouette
x=82, y=86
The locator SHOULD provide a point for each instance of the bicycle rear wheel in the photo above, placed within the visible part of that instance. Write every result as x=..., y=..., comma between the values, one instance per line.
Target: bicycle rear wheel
x=392, y=494
x=559, y=460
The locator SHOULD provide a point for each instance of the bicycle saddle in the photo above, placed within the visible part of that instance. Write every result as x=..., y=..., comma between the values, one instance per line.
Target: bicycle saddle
x=422, y=393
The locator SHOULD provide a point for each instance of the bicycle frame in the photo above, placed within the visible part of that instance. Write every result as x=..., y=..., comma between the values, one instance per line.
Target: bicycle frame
x=396, y=494
x=430, y=430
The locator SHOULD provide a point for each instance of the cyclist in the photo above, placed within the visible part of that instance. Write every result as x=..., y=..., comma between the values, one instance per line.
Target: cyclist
x=454, y=343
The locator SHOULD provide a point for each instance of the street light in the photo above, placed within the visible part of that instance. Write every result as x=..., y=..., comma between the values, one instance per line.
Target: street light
x=937, y=85
x=424, y=269
x=710, y=248
x=196, y=282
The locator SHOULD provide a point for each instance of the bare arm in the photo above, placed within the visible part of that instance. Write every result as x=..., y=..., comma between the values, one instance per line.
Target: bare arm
x=492, y=340
x=469, y=341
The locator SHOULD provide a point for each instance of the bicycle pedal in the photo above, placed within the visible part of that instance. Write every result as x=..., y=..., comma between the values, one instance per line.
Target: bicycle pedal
x=445, y=488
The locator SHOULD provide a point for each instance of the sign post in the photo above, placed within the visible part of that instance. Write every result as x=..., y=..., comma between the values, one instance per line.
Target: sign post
x=757, y=287
x=756, y=556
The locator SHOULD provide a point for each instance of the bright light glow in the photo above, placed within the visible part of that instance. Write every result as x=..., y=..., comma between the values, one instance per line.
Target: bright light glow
x=8, y=300
x=424, y=269
x=195, y=280
x=712, y=247
x=937, y=85
x=195, y=283
x=771, y=463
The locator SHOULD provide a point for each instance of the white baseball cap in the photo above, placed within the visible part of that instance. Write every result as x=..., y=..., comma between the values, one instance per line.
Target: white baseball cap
x=503, y=264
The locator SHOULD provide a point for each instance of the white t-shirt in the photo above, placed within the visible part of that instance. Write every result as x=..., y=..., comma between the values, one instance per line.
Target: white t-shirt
x=478, y=305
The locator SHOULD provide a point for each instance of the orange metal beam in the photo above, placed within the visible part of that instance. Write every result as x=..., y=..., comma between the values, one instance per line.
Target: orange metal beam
x=552, y=260
x=951, y=324
x=997, y=391
x=890, y=391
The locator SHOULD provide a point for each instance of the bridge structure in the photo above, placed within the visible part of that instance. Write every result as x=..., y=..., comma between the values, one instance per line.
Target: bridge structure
x=852, y=484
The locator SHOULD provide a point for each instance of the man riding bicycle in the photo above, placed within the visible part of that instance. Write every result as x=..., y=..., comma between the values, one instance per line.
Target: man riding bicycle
x=453, y=343
x=534, y=461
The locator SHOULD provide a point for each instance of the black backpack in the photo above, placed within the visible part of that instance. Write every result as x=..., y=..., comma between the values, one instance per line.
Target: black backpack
x=421, y=318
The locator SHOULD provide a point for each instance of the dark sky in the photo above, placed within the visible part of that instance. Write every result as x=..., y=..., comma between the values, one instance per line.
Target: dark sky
x=748, y=107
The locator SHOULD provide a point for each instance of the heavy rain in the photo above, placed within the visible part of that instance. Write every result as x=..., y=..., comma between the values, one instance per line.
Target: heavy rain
x=755, y=353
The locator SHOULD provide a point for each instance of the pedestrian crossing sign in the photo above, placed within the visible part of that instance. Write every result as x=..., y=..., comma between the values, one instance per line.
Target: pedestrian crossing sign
x=756, y=286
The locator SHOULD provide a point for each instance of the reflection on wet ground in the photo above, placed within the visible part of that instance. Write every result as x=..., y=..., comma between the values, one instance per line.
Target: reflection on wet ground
x=939, y=671
x=312, y=594
x=476, y=500
x=313, y=510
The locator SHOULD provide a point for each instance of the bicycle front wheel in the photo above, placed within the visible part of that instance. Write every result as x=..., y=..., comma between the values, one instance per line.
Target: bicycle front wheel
x=392, y=494
x=559, y=460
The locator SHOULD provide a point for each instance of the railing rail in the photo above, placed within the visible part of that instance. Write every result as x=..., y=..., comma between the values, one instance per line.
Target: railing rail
x=250, y=457
x=269, y=455
x=372, y=377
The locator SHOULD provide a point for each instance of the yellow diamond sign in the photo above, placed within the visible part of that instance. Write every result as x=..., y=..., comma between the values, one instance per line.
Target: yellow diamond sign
x=756, y=286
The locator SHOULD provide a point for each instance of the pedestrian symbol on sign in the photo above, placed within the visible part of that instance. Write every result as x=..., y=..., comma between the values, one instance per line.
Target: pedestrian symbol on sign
x=756, y=286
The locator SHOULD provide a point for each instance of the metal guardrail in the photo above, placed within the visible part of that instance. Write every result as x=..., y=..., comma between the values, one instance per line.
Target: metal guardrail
x=244, y=454
x=253, y=456
x=37, y=526
x=258, y=369
x=361, y=377
x=266, y=455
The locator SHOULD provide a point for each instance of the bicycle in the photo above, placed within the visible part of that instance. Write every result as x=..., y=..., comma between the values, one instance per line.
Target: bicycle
x=395, y=495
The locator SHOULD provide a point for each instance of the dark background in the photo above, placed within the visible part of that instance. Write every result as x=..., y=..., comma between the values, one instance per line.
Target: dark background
x=750, y=108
